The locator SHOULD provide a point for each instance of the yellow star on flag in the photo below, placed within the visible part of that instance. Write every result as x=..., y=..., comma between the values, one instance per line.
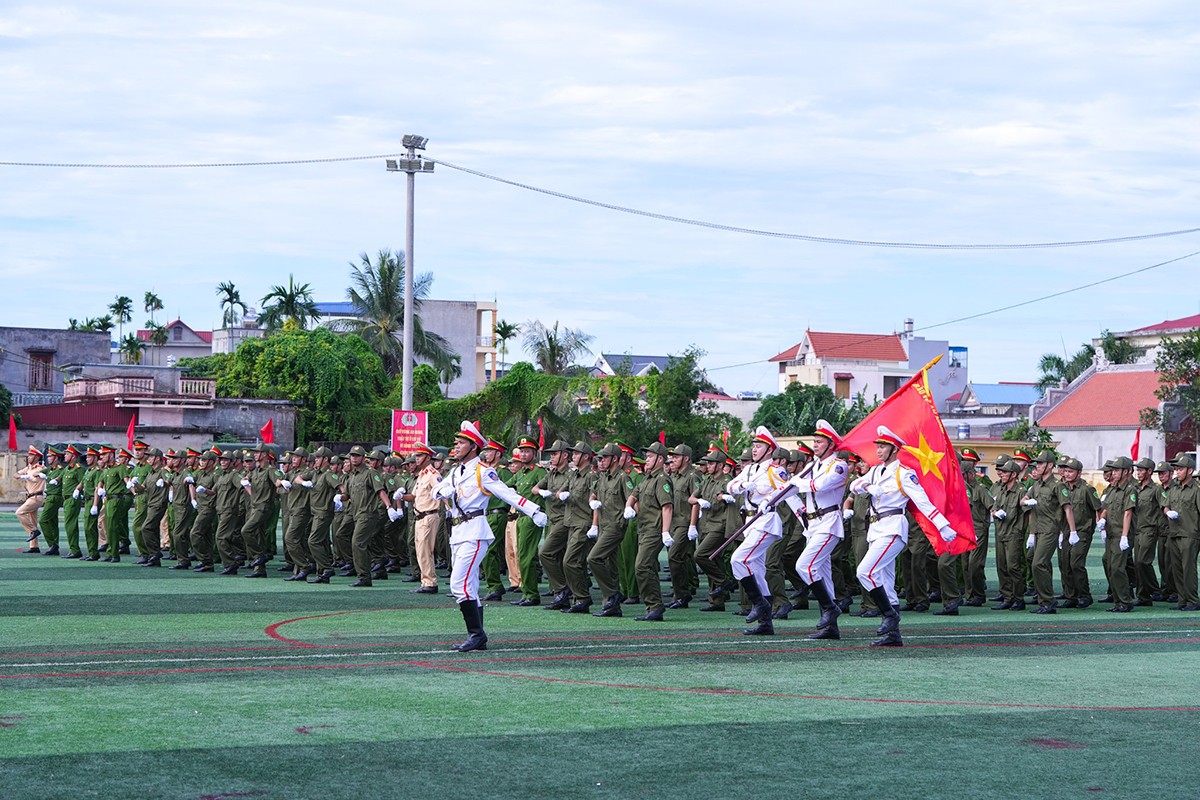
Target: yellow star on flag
x=928, y=457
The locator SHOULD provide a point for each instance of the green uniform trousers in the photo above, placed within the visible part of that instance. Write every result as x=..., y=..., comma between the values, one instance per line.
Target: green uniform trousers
x=489, y=568
x=1116, y=566
x=551, y=553
x=603, y=559
x=71, y=509
x=48, y=519
x=529, y=537
x=574, y=562
x=646, y=566
x=116, y=522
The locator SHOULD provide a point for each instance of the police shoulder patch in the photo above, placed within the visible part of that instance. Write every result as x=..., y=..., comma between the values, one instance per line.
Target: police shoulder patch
x=840, y=468
x=912, y=478
x=490, y=474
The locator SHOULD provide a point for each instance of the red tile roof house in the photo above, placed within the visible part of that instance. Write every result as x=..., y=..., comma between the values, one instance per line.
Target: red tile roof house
x=849, y=363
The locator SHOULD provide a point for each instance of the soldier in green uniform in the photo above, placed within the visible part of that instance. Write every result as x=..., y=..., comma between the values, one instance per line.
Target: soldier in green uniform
x=652, y=503
x=366, y=497
x=631, y=464
x=526, y=479
x=609, y=493
x=320, y=485
x=1145, y=534
x=577, y=518
x=1182, y=509
x=1044, y=499
x=1081, y=498
x=48, y=514
x=715, y=505
x=230, y=496
x=681, y=555
x=139, y=468
x=259, y=484
x=1009, y=516
x=151, y=487
x=980, y=499
x=113, y=490
x=295, y=485
x=1116, y=527
x=1164, y=472
x=554, y=544
x=497, y=519
x=183, y=513
x=87, y=491
x=203, y=496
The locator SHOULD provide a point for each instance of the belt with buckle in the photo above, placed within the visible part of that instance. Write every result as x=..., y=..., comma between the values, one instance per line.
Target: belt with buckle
x=875, y=517
x=465, y=517
x=820, y=512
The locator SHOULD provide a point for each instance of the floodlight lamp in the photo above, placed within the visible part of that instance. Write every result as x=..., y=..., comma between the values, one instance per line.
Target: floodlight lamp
x=414, y=142
x=392, y=166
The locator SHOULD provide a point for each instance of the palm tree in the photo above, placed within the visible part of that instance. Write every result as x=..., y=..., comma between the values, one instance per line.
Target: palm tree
x=288, y=306
x=505, y=332
x=131, y=349
x=103, y=324
x=552, y=349
x=378, y=297
x=122, y=311
x=231, y=301
x=152, y=303
x=1058, y=370
x=158, y=334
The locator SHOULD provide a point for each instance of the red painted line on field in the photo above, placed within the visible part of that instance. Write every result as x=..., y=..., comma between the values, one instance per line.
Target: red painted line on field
x=1056, y=744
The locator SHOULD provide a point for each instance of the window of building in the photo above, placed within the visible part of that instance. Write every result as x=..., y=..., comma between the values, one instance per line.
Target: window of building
x=841, y=388
x=41, y=372
x=892, y=383
x=178, y=333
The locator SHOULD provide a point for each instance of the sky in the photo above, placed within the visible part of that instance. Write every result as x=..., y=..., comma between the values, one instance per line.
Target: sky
x=1007, y=122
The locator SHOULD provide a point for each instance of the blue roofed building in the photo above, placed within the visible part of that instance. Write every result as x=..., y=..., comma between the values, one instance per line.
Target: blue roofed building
x=995, y=399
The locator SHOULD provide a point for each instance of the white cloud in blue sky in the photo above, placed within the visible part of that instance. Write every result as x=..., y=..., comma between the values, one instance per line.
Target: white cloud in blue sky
x=926, y=121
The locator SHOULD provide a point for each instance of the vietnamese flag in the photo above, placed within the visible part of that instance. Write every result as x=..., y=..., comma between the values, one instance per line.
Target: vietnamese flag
x=267, y=432
x=129, y=431
x=1137, y=445
x=12, y=432
x=662, y=438
x=913, y=416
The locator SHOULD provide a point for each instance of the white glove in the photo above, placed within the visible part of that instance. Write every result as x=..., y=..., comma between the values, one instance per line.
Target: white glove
x=95, y=510
x=693, y=534
x=189, y=479
x=286, y=484
x=1102, y=524
x=1103, y=536
x=1030, y=542
x=195, y=504
x=704, y=504
x=171, y=495
x=392, y=515
x=1029, y=502
x=1060, y=541
x=1172, y=514
x=52, y=482
x=735, y=487
x=399, y=512
x=159, y=483
x=593, y=532
x=337, y=502
x=246, y=482
x=542, y=492
x=134, y=481
x=75, y=494
x=1124, y=543
x=539, y=519
x=858, y=485
x=100, y=491
x=563, y=496
x=948, y=534
x=201, y=490
x=1073, y=539
x=305, y=484
x=728, y=499
x=847, y=513
x=630, y=513
x=131, y=485
x=396, y=495
x=667, y=540
x=1000, y=513
x=874, y=490
x=595, y=505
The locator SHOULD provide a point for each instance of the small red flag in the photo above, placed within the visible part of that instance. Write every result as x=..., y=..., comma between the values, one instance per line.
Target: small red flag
x=267, y=432
x=1137, y=445
x=12, y=432
x=541, y=435
x=725, y=439
x=913, y=416
x=129, y=431
x=662, y=438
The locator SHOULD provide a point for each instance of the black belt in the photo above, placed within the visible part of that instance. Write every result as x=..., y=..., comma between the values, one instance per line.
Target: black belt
x=465, y=517
x=820, y=512
x=424, y=514
x=876, y=516
x=514, y=516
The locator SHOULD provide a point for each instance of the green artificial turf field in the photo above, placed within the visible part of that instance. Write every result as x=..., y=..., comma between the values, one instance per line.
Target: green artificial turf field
x=123, y=682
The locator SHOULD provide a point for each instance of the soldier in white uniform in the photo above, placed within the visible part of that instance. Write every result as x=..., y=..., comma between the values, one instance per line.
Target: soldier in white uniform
x=466, y=491
x=891, y=487
x=822, y=489
x=759, y=481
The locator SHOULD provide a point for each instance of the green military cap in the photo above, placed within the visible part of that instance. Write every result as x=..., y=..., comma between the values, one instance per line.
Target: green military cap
x=56, y=449
x=377, y=455
x=681, y=450
x=225, y=454
x=300, y=451
x=391, y=461
x=1108, y=465
x=746, y=455
x=1122, y=462
x=335, y=460
x=1046, y=457
x=716, y=456
x=247, y=455
x=1162, y=466
x=1023, y=454
x=358, y=450
x=609, y=450
x=583, y=447
x=1145, y=463
x=1064, y=460
x=1000, y=459
x=658, y=448
x=286, y=455
x=1185, y=461
x=322, y=452
x=780, y=452
x=1009, y=466
x=1075, y=464
x=559, y=446
x=440, y=452
x=207, y=455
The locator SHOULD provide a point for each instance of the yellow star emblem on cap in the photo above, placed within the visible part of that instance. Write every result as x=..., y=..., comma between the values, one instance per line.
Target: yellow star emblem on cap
x=927, y=457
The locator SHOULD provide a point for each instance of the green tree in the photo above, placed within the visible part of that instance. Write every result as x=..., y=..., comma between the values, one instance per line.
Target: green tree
x=122, y=311
x=1178, y=364
x=795, y=411
x=131, y=349
x=288, y=307
x=554, y=350
x=377, y=292
x=1119, y=351
x=158, y=335
x=505, y=332
x=152, y=303
x=6, y=404
x=231, y=302
x=1056, y=369
x=1025, y=431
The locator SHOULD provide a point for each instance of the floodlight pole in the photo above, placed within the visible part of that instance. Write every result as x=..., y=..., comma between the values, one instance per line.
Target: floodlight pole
x=411, y=166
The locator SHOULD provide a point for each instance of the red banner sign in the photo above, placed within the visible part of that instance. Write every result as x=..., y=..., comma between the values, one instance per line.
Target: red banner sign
x=409, y=428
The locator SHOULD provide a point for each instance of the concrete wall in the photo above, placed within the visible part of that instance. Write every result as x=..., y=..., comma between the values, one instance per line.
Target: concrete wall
x=945, y=380
x=64, y=347
x=458, y=322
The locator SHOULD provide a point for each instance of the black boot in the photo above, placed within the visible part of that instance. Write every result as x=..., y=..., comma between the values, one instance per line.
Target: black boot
x=760, y=613
x=827, y=627
x=889, y=629
x=473, y=617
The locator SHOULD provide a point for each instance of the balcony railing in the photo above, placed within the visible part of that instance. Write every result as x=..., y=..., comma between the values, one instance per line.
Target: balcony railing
x=89, y=389
x=485, y=341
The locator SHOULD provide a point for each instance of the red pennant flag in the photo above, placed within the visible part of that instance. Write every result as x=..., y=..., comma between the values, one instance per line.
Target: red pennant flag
x=725, y=439
x=267, y=432
x=1137, y=445
x=129, y=431
x=662, y=438
x=913, y=416
x=541, y=435
x=12, y=432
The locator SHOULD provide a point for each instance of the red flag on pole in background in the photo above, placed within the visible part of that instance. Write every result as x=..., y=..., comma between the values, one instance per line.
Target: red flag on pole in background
x=725, y=440
x=12, y=432
x=1137, y=445
x=129, y=432
x=267, y=432
x=662, y=438
x=541, y=435
x=913, y=416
